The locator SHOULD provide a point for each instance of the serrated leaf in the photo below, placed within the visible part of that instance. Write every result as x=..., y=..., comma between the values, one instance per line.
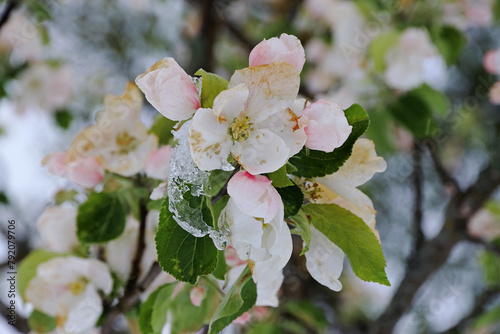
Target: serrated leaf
x=279, y=178
x=101, y=218
x=181, y=254
x=354, y=237
x=211, y=86
x=28, y=266
x=292, y=198
x=162, y=127
x=304, y=226
x=41, y=322
x=413, y=113
x=311, y=163
x=240, y=298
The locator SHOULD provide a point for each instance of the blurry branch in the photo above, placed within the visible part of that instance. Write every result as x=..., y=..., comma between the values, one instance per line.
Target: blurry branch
x=8, y=9
x=418, y=181
x=446, y=178
x=239, y=35
x=487, y=245
x=434, y=253
x=209, y=27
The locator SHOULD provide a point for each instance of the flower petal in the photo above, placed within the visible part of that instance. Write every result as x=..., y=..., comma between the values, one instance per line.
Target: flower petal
x=328, y=128
x=287, y=48
x=272, y=88
x=267, y=289
x=230, y=103
x=158, y=163
x=57, y=227
x=209, y=142
x=324, y=260
x=262, y=152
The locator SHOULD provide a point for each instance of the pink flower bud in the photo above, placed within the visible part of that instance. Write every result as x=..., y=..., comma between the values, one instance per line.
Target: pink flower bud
x=287, y=48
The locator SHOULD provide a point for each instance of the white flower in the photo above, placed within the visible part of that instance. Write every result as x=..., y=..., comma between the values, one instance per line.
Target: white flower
x=239, y=121
x=158, y=163
x=119, y=138
x=415, y=61
x=253, y=218
x=57, y=227
x=287, y=48
x=67, y=288
x=22, y=37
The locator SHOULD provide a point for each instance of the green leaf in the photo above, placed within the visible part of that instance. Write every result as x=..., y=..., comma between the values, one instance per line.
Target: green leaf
x=311, y=163
x=304, y=226
x=379, y=47
x=265, y=328
x=211, y=86
x=162, y=127
x=3, y=198
x=489, y=317
x=279, y=178
x=41, y=322
x=63, y=118
x=491, y=267
x=354, y=237
x=148, y=324
x=450, y=43
x=28, y=266
x=181, y=254
x=101, y=218
x=436, y=101
x=219, y=206
x=217, y=180
x=292, y=198
x=222, y=268
x=239, y=299
x=413, y=112
x=64, y=196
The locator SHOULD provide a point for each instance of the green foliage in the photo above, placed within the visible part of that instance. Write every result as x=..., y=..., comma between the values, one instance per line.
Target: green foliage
x=304, y=225
x=101, y=218
x=41, y=322
x=162, y=127
x=436, y=101
x=65, y=196
x=181, y=254
x=412, y=111
x=450, y=43
x=489, y=317
x=63, y=118
x=279, y=178
x=380, y=46
x=153, y=313
x=311, y=163
x=3, y=198
x=28, y=266
x=217, y=180
x=307, y=313
x=239, y=299
x=354, y=237
x=292, y=198
x=491, y=267
x=211, y=86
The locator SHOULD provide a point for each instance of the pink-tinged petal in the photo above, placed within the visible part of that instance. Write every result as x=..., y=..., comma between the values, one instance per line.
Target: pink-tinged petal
x=88, y=173
x=328, y=128
x=196, y=295
x=56, y=164
x=495, y=93
x=262, y=152
x=57, y=227
x=230, y=103
x=209, y=142
x=254, y=195
x=232, y=258
x=491, y=61
x=272, y=88
x=170, y=90
x=158, y=163
x=243, y=319
x=159, y=192
x=287, y=48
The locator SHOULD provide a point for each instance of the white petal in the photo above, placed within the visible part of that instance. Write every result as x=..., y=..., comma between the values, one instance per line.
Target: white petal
x=262, y=152
x=209, y=142
x=324, y=260
x=272, y=88
x=57, y=227
x=230, y=103
x=267, y=289
x=83, y=316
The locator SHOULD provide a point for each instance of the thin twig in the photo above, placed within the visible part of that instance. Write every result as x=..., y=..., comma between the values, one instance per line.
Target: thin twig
x=418, y=181
x=9, y=8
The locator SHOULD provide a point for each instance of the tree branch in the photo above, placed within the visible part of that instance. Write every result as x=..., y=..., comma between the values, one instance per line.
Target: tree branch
x=8, y=9
x=418, y=181
x=448, y=181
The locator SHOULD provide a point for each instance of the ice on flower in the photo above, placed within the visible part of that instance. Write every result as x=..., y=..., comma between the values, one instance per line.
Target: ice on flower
x=415, y=61
x=185, y=177
x=119, y=138
x=238, y=124
x=67, y=288
x=261, y=239
x=170, y=90
x=57, y=227
x=286, y=48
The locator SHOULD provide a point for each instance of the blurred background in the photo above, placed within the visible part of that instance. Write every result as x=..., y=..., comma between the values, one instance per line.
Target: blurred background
x=426, y=71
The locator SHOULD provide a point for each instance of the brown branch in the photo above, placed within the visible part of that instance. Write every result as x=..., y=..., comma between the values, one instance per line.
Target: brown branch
x=10, y=6
x=446, y=178
x=418, y=181
x=239, y=35
x=435, y=252
x=487, y=245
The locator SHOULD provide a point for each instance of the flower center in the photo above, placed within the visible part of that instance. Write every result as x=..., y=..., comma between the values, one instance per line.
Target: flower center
x=125, y=142
x=77, y=287
x=240, y=128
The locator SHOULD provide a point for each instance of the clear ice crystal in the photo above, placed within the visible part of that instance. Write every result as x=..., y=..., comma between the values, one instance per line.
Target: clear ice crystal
x=185, y=176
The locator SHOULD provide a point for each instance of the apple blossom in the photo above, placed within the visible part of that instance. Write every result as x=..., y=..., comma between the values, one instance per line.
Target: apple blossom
x=239, y=123
x=286, y=48
x=415, y=61
x=57, y=227
x=253, y=220
x=491, y=61
x=87, y=172
x=327, y=127
x=67, y=288
x=196, y=295
x=158, y=163
x=170, y=90
x=494, y=94
x=159, y=192
x=20, y=36
x=119, y=138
